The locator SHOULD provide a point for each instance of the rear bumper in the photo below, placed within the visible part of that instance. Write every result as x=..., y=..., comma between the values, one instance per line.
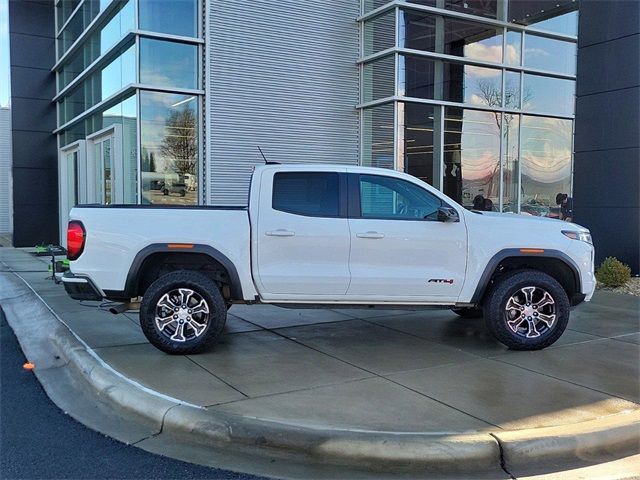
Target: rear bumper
x=80, y=288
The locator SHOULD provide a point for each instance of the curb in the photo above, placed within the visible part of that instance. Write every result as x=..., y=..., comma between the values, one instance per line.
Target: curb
x=394, y=452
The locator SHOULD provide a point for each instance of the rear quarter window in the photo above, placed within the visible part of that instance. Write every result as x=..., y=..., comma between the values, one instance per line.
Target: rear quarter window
x=313, y=194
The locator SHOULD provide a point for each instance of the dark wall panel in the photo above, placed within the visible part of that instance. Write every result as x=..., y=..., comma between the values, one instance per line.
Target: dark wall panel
x=35, y=178
x=607, y=134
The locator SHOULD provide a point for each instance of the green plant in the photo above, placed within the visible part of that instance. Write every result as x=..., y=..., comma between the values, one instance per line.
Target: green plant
x=613, y=273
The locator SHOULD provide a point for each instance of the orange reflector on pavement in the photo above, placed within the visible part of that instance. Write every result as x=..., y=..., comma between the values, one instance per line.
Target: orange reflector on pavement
x=180, y=245
x=532, y=250
x=28, y=366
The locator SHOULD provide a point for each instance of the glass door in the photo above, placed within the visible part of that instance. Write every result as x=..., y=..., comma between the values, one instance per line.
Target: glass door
x=103, y=157
x=71, y=182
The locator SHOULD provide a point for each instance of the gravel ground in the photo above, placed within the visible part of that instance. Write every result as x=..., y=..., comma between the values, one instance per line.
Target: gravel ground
x=632, y=287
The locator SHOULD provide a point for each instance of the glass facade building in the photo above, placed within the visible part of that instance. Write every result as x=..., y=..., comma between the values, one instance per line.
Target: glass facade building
x=129, y=95
x=475, y=97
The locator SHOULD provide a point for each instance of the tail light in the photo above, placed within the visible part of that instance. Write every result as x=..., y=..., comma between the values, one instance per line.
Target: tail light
x=76, y=236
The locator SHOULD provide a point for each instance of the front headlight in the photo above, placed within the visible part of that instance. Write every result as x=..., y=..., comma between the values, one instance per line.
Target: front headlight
x=582, y=236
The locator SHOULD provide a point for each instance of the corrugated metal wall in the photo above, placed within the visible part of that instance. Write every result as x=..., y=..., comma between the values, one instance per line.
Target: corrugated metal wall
x=5, y=171
x=282, y=75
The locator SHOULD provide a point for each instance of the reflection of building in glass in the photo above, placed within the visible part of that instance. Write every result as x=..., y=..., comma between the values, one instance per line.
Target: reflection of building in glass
x=128, y=96
x=500, y=73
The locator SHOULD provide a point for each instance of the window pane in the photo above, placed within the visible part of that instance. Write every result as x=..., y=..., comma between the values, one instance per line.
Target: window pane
x=483, y=8
x=510, y=165
x=168, y=64
x=100, y=85
x=471, y=84
x=549, y=54
x=416, y=77
x=98, y=43
x=512, y=89
x=395, y=199
x=472, y=40
x=417, y=30
x=377, y=136
x=559, y=16
x=548, y=95
x=513, y=55
x=461, y=83
x=314, y=194
x=378, y=79
x=379, y=33
x=169, y=142
x=546, y=163
x=177, y=17
x=417, y=144
x=566, y=23
x=472, y=155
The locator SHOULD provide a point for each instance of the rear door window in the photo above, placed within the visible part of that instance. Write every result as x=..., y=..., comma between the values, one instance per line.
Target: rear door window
x=315, y=194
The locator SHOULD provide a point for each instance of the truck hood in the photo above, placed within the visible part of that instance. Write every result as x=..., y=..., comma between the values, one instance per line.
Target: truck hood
x=514, y=219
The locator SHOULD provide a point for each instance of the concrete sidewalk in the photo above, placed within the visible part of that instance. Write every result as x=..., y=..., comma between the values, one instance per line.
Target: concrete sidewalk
x=374, y=371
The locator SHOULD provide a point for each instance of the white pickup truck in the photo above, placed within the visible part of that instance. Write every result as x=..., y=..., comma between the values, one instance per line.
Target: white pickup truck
x=328, y=236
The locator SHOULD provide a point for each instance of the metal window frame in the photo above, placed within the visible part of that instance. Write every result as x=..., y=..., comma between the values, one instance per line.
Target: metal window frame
x=465, y=16
x=119, y=95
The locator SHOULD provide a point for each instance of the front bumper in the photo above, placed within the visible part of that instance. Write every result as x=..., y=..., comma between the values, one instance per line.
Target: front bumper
x=80, y=288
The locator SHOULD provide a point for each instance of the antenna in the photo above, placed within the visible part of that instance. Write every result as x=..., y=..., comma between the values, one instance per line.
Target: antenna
x=267, y=162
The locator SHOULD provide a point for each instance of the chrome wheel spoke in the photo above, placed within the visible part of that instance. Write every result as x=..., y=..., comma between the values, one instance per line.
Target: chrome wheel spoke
x=513, y=304
x=515, y=323
x=198, y=328
x=185, y=295
x=165, y=301
x=163, y=322
x=547, y=319
x=178, y=335
x=545, y=300
x=532, y=330
x=202, y=307
x=528, y=294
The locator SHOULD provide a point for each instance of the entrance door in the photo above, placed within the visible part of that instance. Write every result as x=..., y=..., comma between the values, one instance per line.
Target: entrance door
x=103, y=156
x=398, y=247
x=105, y=162
x=71, y=183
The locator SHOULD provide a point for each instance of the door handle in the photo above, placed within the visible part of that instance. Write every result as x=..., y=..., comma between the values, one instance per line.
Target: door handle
x=373, y=235
x=281, y=232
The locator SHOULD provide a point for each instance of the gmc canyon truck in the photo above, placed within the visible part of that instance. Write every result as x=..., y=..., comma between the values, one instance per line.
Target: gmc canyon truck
x=328, y=236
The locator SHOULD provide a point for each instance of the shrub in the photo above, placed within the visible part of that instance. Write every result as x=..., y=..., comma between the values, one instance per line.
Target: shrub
x=613, y=273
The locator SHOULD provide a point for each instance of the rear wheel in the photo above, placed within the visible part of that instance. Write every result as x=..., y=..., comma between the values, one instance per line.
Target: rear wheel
x=527, y=310
x=183, y=312
x=468, y=312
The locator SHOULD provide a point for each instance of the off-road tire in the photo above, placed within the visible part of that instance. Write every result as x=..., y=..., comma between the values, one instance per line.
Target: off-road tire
x=468, y=312
x=504, y=288
x=199, y=284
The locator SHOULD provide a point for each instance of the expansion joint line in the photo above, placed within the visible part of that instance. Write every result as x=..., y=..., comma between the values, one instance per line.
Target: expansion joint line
x=502, y=462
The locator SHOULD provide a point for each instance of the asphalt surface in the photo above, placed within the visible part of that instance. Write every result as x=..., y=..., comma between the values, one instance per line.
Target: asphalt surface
x=38, y=440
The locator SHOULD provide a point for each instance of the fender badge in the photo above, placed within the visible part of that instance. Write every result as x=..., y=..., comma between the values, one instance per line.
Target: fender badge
x=441, y=280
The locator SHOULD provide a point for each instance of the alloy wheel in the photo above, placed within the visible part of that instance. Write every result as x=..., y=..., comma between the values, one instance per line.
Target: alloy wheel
x=181, y=315
x=530, y=312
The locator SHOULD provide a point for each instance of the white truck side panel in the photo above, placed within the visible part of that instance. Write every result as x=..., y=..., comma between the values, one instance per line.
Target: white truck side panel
x=116, y=235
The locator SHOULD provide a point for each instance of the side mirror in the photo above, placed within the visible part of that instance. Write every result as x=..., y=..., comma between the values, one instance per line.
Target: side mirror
x=447, y=214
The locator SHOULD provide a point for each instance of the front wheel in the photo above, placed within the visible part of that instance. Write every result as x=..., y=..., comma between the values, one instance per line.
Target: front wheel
x=527, y=310
x=183, y=313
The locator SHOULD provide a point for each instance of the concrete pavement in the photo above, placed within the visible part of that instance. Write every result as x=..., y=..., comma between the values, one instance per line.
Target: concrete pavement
x=379, y=372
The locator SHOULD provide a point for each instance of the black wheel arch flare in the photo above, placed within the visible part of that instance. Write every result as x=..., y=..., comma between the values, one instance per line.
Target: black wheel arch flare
x=133, y=276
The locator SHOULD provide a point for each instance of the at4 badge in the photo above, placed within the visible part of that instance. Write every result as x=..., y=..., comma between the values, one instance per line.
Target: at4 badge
x=441, y=280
